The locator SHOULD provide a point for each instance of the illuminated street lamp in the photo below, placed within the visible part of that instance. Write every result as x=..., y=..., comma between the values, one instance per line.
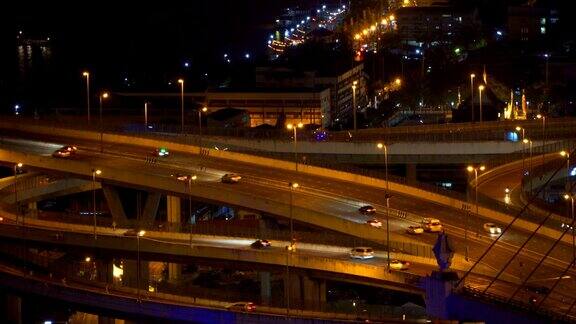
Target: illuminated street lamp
x=354, y=85
x=475, y=170
x=17, y=168
x=293, y=127
x=566, y=154
x=571, y=197
x=518, y=128
x=140, y=234
x=387, y=196
x=200, y=111
x=181, y=82
x=291, y=247
x=543, y=118
x=104, y=95
x=529, y=142
x=398, y=82
x=146, y=114
x=480, y=89
x=472, y=76
x=86, y=74
x=190, y=179
x=95, y=172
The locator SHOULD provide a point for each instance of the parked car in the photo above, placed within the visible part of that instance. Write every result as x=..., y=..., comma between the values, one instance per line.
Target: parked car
x=260, y=244
x=399, y=265
x=374, y=222
x=492, y=229
x=242, y=307
x=65, y=151
x=367, y=210
x=231, y=178
x=362, y=253
x=415, y=229
x=432, y=225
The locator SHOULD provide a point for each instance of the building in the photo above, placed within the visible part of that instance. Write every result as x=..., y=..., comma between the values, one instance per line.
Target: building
x=528, y=23
x=435, y=23
x=274, y=107
x=339, y=81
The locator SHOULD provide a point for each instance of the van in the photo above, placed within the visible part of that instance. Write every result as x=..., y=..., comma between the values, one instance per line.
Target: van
x=362, y=253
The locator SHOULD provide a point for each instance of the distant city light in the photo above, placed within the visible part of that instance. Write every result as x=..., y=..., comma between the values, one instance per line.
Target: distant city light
x=186, y=64
x=499, y=33
x=573, y=172
x=225, y=55
x=247, y=55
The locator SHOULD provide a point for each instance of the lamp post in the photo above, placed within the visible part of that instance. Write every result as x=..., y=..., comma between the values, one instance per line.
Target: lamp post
x=146, y=115
x=571, y=197
x=518, y=128
x=102, y=97
x=94, y=174
x=190, y=179
x=17, y=168
x=472, y=76
x=566, y=154
x=290, y=248
x=294, y=127
x=529, y=142
x=354, y=85
x=181, y=82
x=480, y=89
x=200, y=111
x=86, y=74
x=475, y=170
x=543, y=118
x=387, y=196
x=138, y=236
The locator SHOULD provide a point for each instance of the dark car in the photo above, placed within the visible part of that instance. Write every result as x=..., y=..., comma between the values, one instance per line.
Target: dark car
x=367, y=210
x=260, y=244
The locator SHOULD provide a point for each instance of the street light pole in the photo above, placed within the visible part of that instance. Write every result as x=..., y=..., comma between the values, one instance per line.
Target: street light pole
x=387, y=196
x=190, y=179
x=518, y=128
x=200, y=111
x=86, y=74
x=475, y=170
x=17, y=167
x=181, y=81
x=291, y=247
x=529, y=142
x=472, y=76
x=566, y=154
x=354, y=84
x=138, y=235
x=94, y=173
x=146, y=115
x=102, y=96
x=571, y=197
x=294, y=127
x=480, y=89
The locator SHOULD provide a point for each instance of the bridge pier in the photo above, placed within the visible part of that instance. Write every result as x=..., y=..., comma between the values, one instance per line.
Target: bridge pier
x=306, y=292
x=265, y=287
x=32, y=209
x=174, y=271
x=105, y=270
x=130, y=277
x=151, y=207
x=411, y=172
x=173, y=211
x=115, y=205
x=11, y=307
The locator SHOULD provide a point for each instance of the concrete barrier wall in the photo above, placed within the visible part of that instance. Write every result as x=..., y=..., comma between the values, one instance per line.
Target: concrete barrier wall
x=267, y=162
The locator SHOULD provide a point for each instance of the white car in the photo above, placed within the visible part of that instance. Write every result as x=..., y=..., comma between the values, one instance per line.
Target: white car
x=399, y=265
x=492, y=229
x=432, y=225
x=362, y=253
x=375, y=223
x=415, y=229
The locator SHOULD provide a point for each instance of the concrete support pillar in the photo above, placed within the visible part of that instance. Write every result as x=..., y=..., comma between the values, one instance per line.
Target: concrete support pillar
x=173, y=213
x=306, y=293
x=174, y=271
x=151, y=207
x=12, y=308
x=130, y=276
x=265, y=287
x=32, y=210
x=115, y=205
x=411, y=172
x=439, y=285
x=105, y=270
x=106, y=320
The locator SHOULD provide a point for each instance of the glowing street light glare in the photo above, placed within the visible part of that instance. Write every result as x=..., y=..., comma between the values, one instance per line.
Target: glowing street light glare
x=204, y=109
x=563, y=153
x=88, y=259
x=482, y=168
x=86, y=74
x=380, y=145
x=398, y=81
x=470, y=168
x=481, y=87
x=105, y=95
x=181, y=81
x=194, y=177
x=518, y=128
x=141, y=233
x=98, y=172
x=294, y=185
x=566, y=196
x=19, y=165
x=472, y=75
x=300, y=125
x=526, y=141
